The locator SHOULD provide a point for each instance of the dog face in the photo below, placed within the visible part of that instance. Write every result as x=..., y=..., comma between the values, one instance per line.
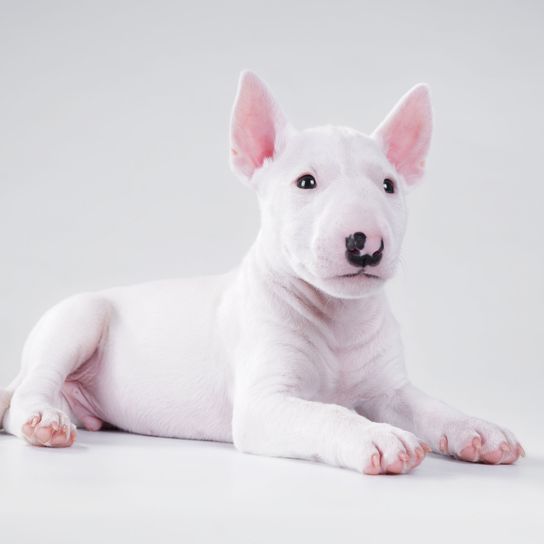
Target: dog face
x=332, y=199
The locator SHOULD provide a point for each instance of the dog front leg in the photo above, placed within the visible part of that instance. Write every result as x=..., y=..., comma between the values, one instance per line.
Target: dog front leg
x=446, y=429
x=283, y=425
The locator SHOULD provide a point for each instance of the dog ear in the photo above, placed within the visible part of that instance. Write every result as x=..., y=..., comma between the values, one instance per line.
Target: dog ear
x=405, y=134
x=258, y=127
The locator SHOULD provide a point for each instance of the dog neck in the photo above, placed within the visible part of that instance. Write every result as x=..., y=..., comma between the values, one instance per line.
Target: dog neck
x=268, y=273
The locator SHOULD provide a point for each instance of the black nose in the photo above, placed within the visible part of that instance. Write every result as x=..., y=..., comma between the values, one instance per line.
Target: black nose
x=355, y=241
x=354, y=244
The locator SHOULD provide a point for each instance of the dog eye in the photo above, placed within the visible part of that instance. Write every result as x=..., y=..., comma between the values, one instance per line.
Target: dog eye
x=388, y=186
x=307, y=181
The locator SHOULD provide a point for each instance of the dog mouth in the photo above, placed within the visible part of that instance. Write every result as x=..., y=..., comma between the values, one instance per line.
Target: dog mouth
x=361, y=273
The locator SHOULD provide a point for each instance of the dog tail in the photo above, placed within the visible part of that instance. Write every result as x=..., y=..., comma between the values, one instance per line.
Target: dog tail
x=5, y=399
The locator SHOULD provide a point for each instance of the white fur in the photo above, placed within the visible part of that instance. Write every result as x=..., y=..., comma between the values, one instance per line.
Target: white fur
x=288, y=355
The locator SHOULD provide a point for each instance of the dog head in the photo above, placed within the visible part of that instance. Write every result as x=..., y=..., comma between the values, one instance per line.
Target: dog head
x=332, y=199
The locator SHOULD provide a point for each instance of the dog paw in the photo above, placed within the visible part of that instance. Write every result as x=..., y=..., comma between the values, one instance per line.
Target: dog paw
x=50, y=428
x=393, y=451
x=479, y=441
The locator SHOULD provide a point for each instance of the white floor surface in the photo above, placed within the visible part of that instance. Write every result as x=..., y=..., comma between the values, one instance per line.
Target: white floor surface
x=116, y=487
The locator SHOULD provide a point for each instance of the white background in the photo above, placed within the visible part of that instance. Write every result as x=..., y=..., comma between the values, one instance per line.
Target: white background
x=113, y=170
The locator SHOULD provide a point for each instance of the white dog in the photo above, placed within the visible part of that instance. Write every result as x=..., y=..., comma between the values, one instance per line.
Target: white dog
x=295, y=353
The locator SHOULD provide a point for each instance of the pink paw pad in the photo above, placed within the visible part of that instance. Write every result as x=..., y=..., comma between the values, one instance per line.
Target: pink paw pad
x=374, y=467
x=420, y=454
x=49, y=431
x=479, y=441
x=397, y=467
x=505, y=454
x=403, y=464
x=393, y=451
x=492, y=457
x=472, y=451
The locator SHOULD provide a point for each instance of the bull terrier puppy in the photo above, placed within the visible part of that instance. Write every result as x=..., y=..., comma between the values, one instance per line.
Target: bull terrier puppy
x=293, y=354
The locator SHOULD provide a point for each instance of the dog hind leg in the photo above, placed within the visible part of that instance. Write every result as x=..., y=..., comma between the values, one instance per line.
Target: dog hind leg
x=65, y=338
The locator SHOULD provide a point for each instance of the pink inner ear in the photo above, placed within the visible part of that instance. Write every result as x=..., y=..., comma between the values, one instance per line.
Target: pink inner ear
x=254, y=133
x=406, y=134
x=255, y=124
